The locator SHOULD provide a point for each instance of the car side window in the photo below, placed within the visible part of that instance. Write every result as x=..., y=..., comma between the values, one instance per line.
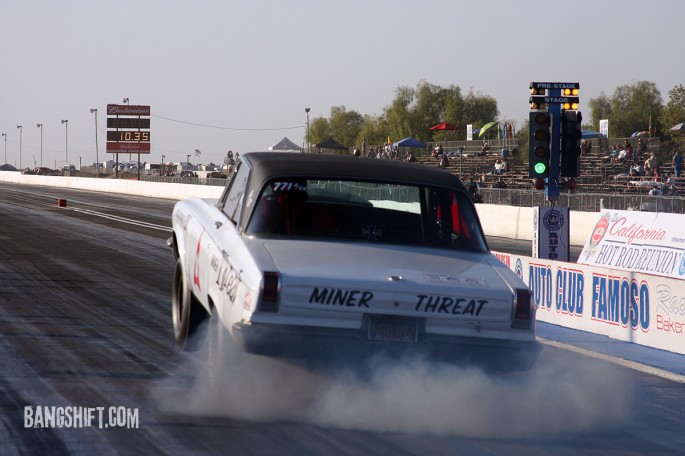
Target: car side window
x=232, y=198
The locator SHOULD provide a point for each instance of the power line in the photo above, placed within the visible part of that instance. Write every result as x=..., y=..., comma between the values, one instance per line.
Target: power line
x=226, y=128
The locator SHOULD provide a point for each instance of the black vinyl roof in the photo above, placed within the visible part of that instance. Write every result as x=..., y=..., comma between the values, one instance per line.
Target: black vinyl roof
x=267, y=165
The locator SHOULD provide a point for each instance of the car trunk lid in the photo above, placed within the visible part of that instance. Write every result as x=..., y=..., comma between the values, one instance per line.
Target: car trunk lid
x=390, y=280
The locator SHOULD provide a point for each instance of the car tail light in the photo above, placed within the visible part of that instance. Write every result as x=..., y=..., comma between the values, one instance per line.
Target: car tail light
x=522, y=309
x=270, y=287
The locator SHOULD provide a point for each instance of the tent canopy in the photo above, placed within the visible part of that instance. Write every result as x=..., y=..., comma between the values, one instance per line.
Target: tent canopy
x=444, y=126
x=330, y=143
x=589, y=134
x=410, y=142
x=286, y=145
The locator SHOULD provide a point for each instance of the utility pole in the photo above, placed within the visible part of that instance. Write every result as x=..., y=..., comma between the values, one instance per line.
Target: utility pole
x=97, y=164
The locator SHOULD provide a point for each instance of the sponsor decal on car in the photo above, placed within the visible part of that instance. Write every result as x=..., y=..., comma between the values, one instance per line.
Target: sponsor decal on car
x=227, y=278
x=455, y=280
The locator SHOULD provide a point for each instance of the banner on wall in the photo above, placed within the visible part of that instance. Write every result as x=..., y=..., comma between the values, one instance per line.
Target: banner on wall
x=648, y=242
x=551, y=233
x=629, y=306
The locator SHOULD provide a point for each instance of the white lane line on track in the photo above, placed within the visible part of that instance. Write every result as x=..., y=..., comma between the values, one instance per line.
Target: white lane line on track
x=123, y=219
x=616, y=360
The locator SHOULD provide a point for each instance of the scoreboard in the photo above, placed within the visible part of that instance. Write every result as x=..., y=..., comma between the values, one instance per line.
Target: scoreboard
x=128, y=129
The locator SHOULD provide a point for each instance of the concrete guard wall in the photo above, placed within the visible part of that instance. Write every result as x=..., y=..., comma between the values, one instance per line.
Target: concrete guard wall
x=517, y=222
x=129, y=187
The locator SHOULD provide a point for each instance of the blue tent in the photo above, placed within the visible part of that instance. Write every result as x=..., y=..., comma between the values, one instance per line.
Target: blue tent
x=589, y=134
x=410, y=142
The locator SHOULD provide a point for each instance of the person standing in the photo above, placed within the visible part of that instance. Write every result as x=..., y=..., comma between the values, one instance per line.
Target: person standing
x=677, y=164
x=651, y=165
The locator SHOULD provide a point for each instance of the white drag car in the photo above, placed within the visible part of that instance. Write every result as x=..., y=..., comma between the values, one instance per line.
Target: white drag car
x=308, y=255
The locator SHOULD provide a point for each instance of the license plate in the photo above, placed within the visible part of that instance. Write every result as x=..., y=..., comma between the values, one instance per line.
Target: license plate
x=384, y=328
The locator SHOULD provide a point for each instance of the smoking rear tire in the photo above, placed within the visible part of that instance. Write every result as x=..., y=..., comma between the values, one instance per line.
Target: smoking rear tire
x=187, y=313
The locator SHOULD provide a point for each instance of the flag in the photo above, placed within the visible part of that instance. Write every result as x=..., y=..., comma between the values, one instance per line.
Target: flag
x=197, y=152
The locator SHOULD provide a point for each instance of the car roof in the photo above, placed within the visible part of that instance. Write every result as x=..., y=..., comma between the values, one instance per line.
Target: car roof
x=266, y=165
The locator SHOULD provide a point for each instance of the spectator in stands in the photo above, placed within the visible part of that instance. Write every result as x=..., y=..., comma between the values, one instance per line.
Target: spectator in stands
x=437, y=152
x=677, y=164
x=486, y=149
x=472, y=187
x=651, y=165
x=444, y=162
x=641, y=147
x=637, y=170
x=628, y=148
x=364, y=147
x=612, y=155
x=410, y=157
x=585, y=147
x=498, y=166
x=655, y=191
x=670, y=179
x=500, y=184
x=622, y=154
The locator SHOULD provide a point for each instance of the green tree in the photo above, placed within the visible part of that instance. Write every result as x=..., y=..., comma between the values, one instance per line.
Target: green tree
x=319, y=130
x=414, y=110
x=674, y=113
x=374, y=130
x=436, y=104
x=630, y=108
x=398, y=114
x=345, y=125
x=478, y=110
x=600, y=108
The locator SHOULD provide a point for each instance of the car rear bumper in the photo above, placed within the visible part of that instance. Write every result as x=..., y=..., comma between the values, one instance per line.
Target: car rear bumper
x=349, y=344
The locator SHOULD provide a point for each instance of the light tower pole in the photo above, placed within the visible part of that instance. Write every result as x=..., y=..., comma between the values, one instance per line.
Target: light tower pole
x=66, y=140
x=307, y=111
x=97, y=163
x=4, y=135
x=21, y=129
x=40, y=125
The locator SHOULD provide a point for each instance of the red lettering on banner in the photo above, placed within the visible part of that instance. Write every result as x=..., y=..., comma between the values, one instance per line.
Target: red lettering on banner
x=634, y=231
x=665, y=324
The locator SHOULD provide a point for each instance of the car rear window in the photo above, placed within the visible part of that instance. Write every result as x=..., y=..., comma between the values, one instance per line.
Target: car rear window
x=367, y=212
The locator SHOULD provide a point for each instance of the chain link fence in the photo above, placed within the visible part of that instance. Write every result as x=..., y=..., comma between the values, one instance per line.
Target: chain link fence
x=577, y=201
x=586, y=202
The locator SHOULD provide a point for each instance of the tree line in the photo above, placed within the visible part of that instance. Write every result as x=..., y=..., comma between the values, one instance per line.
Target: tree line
x=632, y=108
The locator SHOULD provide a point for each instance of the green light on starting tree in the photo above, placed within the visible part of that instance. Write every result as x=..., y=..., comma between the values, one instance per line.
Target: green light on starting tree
x=540, y=168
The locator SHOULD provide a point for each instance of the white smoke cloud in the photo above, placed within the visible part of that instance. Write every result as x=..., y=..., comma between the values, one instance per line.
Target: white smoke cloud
x=563, y=393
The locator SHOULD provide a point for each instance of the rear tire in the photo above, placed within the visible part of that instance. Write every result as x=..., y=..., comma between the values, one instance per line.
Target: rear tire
x=186, y=312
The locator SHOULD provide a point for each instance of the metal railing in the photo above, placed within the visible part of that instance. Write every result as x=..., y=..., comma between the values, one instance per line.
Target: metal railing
x=576, y=201
x=185, y=180
x=586, y=202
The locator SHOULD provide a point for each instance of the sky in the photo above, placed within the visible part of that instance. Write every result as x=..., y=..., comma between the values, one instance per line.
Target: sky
x=237, y=75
